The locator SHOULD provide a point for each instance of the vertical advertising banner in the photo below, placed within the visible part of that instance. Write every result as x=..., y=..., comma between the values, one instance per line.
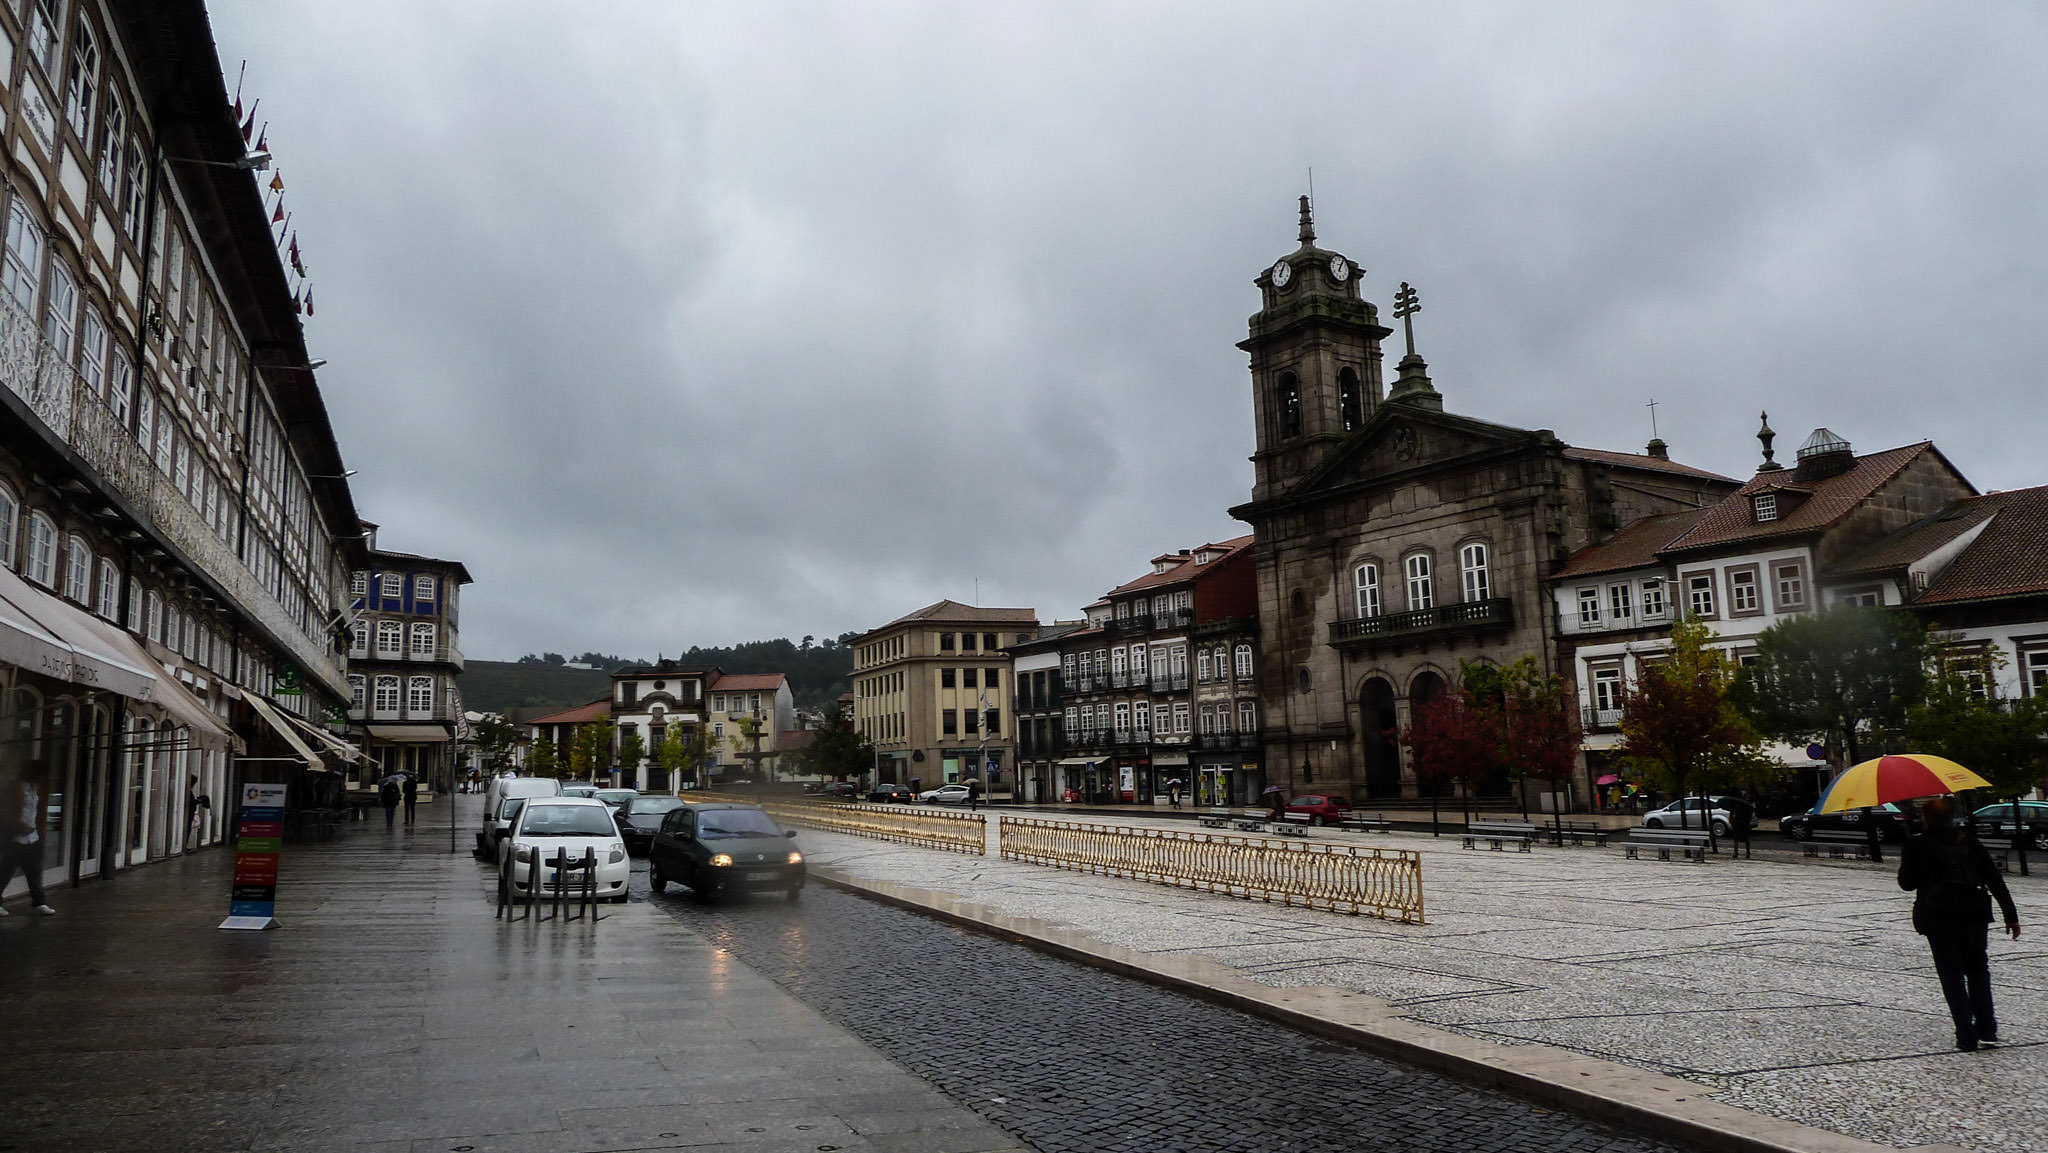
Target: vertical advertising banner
x=253, y=902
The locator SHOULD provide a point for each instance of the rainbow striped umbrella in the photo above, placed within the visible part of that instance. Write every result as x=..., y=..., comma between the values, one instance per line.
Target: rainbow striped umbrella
x=1901, y=777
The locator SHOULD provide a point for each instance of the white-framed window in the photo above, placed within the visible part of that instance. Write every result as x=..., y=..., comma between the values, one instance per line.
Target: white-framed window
x=10, y=524
x=135, y=599
x=1087, y=718
x=392, y=586
x=153, y=622
x=358, y=688
x=22, y=271
x=1421, y=592
x=1863, y=598
x=1589, y=608
x=1141, y=717
x=82, y=87
x=40, y=565
x=1247, y=716
x=1607, y=694
x=1223, y=717
x=1141, y=663
x=423, y=639
x=1743, y=595
x=1790, y=578
x=1620, y=603
x=1123, y=716
x=419, y=695
x=92, y=351
x=1180, y=718
x=1205, y=719
x=390, y=639
x=145, y=419
x=181, y=464
x=1203, y=665
x=1766, y=506
x=1118, y=661
x=121, y=386
x=1177, y=662
x=1067, y=667
x=1473, y=571
x=1244, y=662
x=359, y=584
x=1699, y=594
x=134, y=191
x=386, y=700
x=2034, y=672
x=111, y=150
x=42, y=36
x=1653, y=598
x=110, y=589
x=423, y=587
x=78, y=572
x=61, y=321
x=359, y=638
x=165, y=433
x=1365, y=590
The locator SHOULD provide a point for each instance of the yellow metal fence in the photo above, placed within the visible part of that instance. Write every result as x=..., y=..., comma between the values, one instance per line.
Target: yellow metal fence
x=958, y=832
x=1385, y=883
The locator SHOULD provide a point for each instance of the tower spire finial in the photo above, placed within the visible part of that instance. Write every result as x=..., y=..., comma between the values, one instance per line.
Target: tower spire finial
x=1765, y=435
x=1308, y=223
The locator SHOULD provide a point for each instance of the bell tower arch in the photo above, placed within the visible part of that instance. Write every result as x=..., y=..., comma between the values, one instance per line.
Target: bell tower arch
x=1315, y=360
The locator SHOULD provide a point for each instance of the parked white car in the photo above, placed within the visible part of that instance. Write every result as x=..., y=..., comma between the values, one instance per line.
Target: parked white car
x=498, y=817
x=574, y=826
x=944, y=795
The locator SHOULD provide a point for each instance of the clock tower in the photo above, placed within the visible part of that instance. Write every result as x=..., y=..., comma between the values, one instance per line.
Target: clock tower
x=1315, y=361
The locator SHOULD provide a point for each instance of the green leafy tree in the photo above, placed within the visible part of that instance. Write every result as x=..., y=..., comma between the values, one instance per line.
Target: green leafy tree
x=632, y=750
x=1679, y=725
x=590, y=750
x=839, y=750
x=684, y=751
x=1963, y=718
x=542, y=760
x=1828, y=675
x=496, y=738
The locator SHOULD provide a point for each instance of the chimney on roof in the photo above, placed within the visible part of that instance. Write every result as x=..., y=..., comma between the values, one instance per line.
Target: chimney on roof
x=1659, y=449
x=1823, y=455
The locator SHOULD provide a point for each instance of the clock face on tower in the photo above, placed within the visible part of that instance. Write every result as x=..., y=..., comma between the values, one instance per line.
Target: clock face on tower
x=1339, y=269
x=1282, y=273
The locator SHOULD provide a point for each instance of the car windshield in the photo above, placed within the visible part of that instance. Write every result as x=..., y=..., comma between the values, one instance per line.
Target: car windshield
x=616, y=796
x=736, y=823
x=652, y=806
x=567, y=821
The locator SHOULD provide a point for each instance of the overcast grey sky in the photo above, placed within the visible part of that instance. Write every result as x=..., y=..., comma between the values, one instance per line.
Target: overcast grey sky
x=691, y=323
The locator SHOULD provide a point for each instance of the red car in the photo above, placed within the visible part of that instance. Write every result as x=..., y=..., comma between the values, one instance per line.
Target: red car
x=1322, y=809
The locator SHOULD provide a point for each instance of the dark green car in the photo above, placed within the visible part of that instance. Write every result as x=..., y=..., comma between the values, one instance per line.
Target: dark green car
x=719, y=849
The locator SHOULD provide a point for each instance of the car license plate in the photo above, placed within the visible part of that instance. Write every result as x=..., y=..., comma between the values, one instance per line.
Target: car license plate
x=763, y=875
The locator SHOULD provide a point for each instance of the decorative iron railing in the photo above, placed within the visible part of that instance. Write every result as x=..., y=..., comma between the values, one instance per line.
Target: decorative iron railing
x=1385, y=883
x=1497, y=611
x=957, y=832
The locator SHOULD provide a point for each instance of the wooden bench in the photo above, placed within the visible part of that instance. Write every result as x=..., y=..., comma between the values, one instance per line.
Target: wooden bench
x=1693, y=846
x=1216, y=819
x=1294, y=824
x=1580, y=832
x=1250, y=822
x=1840, y=845
x=1359, y=822
x=1499, y=834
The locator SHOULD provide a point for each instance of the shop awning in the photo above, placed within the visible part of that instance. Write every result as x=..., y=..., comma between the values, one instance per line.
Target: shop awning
x=41, y=633
x=1080, y=760
x=340, y=748
x=169, y=694
x=410, y=734
x=284, y=729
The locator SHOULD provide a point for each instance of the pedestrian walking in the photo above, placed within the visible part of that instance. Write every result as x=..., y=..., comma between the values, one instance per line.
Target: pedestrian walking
x=973, y=793
x=1953, y=882
x=412, y=798
x=1173, y=792
x=387, y=795
x=198, y=807
x=24, y=828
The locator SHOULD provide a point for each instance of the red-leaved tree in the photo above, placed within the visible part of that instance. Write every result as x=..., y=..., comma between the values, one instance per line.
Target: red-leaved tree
x=1452, y=739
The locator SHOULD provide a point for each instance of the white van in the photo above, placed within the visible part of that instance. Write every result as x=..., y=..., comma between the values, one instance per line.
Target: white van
x=496, y=820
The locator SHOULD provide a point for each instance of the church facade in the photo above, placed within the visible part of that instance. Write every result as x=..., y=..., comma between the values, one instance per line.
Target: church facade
x=1395, y=539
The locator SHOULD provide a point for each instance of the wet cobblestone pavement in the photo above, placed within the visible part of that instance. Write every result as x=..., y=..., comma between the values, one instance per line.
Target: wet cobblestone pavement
x=1072, y=1059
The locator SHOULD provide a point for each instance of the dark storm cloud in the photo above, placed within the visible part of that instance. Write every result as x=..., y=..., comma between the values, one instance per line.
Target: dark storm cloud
x=692, y=323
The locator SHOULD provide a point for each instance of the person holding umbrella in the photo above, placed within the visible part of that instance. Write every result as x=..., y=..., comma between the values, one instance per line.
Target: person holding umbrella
x=1953, y=881
x=1276, y=795
x=388, y=796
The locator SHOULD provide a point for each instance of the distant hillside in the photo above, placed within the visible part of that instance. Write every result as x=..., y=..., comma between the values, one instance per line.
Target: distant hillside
x=818, y=674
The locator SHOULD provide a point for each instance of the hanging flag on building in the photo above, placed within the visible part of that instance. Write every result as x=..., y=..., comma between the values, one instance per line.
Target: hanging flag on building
x=277, y=217
x=309, y=302
x=277, y=182
x=249, y=125
x=263, y=138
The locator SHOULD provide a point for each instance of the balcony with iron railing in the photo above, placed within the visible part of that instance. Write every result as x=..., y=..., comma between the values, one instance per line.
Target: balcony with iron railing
x=443, y=709
x=1471, y=616
x=1598, y=720
x=1170, y=683
x=1084, y=740
x=75, y=414
x=1240, y=739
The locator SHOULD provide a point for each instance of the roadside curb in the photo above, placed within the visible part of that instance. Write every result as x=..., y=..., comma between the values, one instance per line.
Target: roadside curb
x=1632, y=1098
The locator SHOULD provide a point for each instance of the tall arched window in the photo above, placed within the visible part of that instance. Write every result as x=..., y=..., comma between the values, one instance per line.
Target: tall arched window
x=1244, y=662
x=1202, y=666
x=1472, y=567
x=422, y=639
x=358, y=688
x=1347, y=398
x=1365, y=582
x=419, y=695
x=40, y=565
x=1421, y=593
x=78, y=572
x=386, y=699
x=1290, y=405
x=390, y=638
x=10, y=524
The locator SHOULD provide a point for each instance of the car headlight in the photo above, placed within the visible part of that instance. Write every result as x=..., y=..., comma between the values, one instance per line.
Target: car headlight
x=721, y=860
x=796, y=858
x=617, y=856
x=522, y=853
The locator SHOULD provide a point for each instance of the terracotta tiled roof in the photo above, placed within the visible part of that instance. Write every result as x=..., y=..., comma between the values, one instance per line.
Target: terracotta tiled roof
x=790, y=740
x=1642, y=461
x=741, y=682
x=2009, y=559
x=1186, y=570
x=1834, y=497
x=580, y=715
x=950, y=610
x=1916, y=540
x=1634, y=546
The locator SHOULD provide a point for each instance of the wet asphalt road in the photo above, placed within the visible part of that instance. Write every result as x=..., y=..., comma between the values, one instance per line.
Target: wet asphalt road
x=1073, y=1060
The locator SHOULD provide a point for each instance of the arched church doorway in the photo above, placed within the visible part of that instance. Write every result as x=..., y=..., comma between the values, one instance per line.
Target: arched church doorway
x=1424, y=689
x=1377, y=723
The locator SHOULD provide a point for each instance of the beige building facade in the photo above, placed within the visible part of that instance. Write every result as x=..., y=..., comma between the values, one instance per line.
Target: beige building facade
x=930, y=689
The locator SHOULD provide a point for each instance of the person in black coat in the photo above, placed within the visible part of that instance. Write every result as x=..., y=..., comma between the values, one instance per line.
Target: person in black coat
x=1954, y=881
x=388, y=796
x=412, y=798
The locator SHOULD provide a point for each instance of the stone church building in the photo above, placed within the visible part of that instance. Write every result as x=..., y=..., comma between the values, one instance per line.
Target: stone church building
x=1395, y=539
